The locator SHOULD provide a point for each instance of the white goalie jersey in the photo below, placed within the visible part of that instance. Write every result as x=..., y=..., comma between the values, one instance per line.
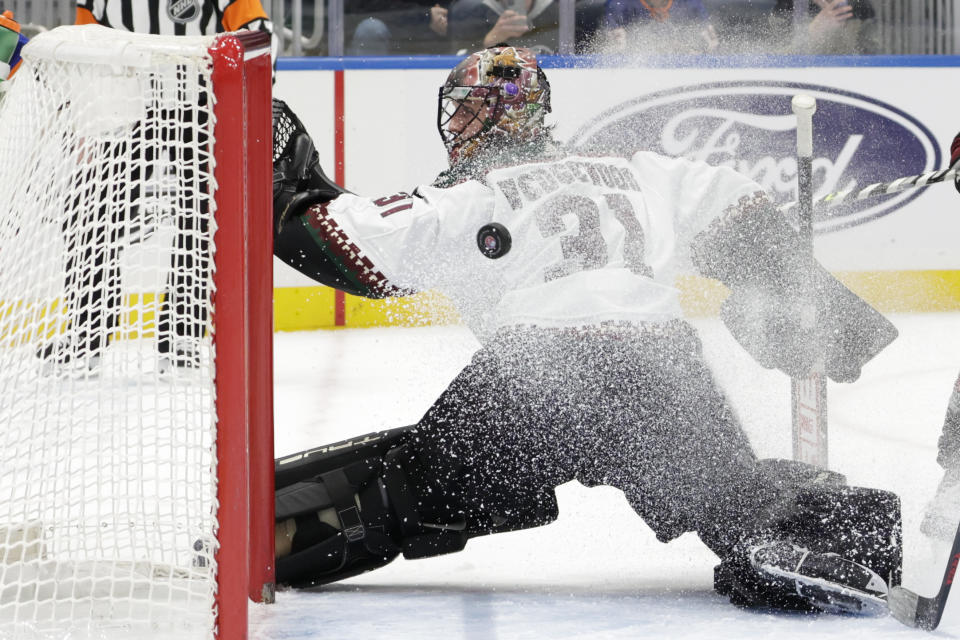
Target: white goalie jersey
x=573, y=242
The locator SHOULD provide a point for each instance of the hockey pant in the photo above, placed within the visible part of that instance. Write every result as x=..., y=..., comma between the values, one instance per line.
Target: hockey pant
x=631, y=407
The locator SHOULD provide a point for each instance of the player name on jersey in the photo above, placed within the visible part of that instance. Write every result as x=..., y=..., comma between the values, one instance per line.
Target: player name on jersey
x=543, y=179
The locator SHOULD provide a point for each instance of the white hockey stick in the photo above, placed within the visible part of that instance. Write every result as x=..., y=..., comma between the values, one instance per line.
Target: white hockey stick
x=808, y=395
x=838, y=198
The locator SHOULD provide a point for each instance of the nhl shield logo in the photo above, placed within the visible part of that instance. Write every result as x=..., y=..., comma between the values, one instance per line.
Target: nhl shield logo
x=183, y=10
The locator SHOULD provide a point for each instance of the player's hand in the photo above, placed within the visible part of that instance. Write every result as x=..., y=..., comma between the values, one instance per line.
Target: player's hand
x=832, y=14
x=438, y=20
x=509, y=25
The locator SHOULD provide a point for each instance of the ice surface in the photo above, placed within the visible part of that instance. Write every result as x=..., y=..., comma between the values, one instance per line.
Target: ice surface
x=598, y=572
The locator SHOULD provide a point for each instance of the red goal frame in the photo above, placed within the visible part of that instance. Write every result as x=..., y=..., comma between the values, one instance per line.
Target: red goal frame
x=243, y=327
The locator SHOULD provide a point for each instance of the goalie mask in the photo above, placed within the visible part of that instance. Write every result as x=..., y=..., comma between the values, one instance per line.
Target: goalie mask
x=496, y=93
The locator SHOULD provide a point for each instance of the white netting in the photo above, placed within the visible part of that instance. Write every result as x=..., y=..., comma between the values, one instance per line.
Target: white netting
x=107, y=420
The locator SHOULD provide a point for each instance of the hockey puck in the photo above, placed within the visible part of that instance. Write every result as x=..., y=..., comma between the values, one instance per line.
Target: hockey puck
x=494, y=240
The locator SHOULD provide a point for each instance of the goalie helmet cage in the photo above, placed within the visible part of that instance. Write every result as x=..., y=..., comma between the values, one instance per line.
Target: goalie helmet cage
x=136, y=430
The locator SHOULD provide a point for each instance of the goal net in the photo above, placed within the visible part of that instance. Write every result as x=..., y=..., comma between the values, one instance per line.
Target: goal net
x=135, y=336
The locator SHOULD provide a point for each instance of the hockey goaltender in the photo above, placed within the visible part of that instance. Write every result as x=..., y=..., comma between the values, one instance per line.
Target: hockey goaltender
x=564, y=267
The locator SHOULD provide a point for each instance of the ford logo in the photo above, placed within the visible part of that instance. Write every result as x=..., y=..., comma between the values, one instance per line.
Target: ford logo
x=750, y=127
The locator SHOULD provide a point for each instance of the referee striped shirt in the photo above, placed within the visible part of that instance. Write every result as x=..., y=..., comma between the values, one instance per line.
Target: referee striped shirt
x=175, y=17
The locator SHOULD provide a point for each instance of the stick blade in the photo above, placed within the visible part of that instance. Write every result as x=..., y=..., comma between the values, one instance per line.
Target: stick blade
x=903, y=605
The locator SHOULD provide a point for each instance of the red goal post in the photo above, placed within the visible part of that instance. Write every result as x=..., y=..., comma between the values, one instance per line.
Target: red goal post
x=242, y=81
x=136, y=487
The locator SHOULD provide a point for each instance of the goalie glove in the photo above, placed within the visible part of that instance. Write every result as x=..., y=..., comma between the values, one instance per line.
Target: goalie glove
x=298, y=179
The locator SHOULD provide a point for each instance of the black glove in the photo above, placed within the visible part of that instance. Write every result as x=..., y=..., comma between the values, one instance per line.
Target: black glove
x=955, y=159
x=298, y=179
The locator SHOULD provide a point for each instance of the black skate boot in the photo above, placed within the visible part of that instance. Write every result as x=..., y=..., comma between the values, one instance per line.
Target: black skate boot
x=784, y=575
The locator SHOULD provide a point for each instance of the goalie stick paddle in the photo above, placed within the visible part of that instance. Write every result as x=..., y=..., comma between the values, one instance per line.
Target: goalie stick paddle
x=808, y=394
x=924, y=613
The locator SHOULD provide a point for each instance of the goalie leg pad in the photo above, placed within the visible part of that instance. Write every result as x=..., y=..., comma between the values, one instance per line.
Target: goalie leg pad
x=339, y=514
x=337, y=525
x=355, y=505
x=350, y=520
x=785, y=575
x=312, y=462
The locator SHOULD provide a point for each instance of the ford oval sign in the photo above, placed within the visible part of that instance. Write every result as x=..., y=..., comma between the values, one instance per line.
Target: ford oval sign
x=749, y=126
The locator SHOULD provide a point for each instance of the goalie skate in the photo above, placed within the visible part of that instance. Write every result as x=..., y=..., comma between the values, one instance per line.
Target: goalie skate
x=829, y=582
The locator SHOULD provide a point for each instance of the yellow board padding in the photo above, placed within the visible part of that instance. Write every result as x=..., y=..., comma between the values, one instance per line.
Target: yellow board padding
x=906, y=291
x=139, y=316
x=24, y=322
x=306, y=308
x=887, y=291
x=301, y=308
x=420, y=310
x=28, y=322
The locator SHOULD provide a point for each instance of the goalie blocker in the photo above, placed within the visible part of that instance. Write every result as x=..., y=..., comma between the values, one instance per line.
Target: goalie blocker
x=754, y=252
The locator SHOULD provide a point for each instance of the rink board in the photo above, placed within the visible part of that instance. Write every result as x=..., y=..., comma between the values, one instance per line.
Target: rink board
x=878, y=118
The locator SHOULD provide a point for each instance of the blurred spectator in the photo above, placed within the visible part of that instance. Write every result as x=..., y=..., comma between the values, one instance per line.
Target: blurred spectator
x=389, y=26
x=658, y=26
x=478, y=24
x=535, y=24
x=834, y=27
